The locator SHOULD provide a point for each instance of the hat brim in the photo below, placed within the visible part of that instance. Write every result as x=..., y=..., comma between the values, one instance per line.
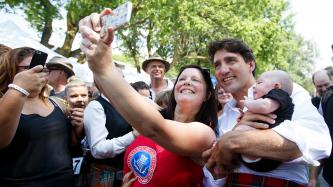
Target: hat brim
x=146, y=62
x=68, y=70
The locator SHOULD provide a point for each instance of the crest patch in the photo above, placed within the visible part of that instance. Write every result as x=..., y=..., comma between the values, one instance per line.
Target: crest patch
x=142, y=161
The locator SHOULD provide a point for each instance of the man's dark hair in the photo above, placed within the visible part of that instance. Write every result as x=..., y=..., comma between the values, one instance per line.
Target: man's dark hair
x=208, y=110
x=234, y=46
x=140, y=85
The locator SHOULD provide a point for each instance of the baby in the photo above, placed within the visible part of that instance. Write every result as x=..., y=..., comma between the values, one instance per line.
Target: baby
x=271, y=95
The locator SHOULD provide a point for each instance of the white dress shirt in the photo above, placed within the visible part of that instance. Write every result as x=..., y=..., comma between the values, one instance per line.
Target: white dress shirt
x=96, y=133
x=307, y=129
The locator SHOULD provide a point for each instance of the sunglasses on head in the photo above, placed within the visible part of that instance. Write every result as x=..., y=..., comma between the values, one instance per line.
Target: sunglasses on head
x=203, y=70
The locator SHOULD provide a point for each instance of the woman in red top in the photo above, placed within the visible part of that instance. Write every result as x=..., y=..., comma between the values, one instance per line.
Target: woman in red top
x=187, y=134
x=190, y=101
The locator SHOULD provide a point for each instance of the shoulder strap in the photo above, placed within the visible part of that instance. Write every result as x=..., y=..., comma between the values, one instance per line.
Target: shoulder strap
x=61, y=103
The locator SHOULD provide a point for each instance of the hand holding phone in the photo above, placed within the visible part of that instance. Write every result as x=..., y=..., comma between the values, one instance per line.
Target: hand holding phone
x=38, y=58
x=121, y=16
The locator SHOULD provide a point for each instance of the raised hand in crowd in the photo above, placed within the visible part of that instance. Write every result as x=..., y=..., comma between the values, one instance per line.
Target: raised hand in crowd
x=31, y=80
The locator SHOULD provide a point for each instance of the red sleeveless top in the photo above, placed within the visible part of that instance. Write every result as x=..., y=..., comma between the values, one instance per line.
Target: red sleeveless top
x=156, y=166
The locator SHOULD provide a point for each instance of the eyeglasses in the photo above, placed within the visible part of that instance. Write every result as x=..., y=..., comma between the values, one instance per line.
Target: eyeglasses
x=53, y=69
x=45, y=70
x=23, y=67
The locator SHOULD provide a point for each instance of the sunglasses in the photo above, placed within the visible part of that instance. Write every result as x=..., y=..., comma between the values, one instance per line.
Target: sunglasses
x=45, y=70
x=53, y=69
x=23, y=67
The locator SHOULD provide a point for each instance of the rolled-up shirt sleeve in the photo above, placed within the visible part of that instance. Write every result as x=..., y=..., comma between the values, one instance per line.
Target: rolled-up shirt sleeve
x=209, y=181
x=307, y=128
x=96, y=133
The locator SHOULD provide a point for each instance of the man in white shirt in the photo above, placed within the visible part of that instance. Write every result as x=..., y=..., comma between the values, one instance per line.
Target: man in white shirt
x=156, y=67
x=301, y=141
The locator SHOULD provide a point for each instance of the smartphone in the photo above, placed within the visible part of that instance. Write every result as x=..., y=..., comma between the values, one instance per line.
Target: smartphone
x=121, y=16
x=38, y=58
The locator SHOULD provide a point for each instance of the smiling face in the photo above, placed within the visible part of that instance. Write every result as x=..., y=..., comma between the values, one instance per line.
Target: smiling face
x=156, y=69
x=190, y=87
x=222, y=96
x=232, y=72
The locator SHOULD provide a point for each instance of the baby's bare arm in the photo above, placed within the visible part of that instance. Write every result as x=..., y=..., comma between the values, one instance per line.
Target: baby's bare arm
x=262, y=106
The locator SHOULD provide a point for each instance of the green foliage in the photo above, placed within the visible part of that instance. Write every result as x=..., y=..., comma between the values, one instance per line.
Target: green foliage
x=179, y=30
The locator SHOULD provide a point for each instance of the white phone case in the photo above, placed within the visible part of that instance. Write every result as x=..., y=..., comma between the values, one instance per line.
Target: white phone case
x=121, y=16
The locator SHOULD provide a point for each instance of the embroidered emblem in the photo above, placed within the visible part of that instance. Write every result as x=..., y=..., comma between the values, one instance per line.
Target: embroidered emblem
x=142, y=161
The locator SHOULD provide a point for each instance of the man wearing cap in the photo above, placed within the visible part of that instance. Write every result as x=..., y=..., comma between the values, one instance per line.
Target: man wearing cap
x=156, y=67
x=60, y=71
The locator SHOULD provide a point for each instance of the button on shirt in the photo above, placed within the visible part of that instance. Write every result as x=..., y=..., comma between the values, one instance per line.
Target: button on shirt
x=306, y=128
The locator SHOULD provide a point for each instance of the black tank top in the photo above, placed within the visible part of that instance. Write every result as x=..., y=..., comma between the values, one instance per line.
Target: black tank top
x=39, y=153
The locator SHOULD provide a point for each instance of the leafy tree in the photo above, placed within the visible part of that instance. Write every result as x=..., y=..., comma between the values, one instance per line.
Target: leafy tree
x=179, y=30
x=40, y=18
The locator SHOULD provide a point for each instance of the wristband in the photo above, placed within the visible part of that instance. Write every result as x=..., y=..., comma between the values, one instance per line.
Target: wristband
x=19, y=89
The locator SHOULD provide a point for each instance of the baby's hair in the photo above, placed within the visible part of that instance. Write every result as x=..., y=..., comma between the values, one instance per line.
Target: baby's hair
x=282, y=77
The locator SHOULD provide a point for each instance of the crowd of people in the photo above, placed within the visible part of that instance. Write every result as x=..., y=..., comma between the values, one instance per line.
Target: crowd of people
x=58, y=131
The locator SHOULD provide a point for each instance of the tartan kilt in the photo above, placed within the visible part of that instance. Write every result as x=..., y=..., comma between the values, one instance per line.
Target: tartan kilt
x=104, y=176
x=99, y=175
x=243, y=179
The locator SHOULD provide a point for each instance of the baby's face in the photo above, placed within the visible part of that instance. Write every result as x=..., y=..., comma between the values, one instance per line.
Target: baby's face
x=262, y=87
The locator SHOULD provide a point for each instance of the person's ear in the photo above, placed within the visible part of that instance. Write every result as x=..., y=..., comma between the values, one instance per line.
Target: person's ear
x=277, y=85
x=252, y=65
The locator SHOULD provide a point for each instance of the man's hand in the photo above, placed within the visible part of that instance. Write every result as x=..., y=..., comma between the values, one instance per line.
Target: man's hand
x=217, y=172
x=223, y=159
x=251, y=119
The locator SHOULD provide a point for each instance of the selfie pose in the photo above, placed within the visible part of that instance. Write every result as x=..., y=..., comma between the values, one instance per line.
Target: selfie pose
x=165, y=155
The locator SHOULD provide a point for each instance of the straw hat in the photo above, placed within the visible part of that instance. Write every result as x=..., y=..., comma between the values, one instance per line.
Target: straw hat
x=60, y=63
x=155, y=57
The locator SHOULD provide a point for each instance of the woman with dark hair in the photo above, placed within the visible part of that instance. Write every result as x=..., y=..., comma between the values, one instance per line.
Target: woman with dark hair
x=35, y=133
x=192, y=99
x=182, y=135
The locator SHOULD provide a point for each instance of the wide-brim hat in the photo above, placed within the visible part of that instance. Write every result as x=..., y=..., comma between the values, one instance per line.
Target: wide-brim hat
x=62, y=64
x=155, y=57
